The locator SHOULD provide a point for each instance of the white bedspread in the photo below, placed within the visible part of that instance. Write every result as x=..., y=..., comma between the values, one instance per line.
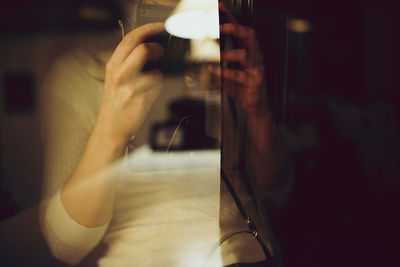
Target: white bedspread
x=166, y=211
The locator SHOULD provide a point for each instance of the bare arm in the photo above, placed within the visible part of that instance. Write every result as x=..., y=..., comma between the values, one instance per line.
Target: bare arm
x=88, y=195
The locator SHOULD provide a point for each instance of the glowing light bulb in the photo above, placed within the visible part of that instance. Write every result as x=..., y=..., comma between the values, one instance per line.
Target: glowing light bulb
x=194, y=19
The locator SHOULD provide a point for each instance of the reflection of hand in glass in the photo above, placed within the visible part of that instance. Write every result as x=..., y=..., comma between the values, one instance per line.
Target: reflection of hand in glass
x=246, y=85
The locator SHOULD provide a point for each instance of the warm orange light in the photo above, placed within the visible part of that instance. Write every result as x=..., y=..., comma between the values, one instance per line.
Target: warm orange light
x=299, y=25
x=194, y=19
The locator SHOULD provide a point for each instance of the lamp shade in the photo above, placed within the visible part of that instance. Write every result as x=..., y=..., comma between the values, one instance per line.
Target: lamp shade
x=194, y=19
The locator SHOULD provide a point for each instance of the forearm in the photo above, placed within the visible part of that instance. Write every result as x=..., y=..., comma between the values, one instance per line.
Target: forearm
x=268, y=153
x=129, y=93
x=88, y=195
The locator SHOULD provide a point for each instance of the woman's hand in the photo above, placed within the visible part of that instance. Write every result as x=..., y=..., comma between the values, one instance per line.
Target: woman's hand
x=129, y=92
x=88, y=195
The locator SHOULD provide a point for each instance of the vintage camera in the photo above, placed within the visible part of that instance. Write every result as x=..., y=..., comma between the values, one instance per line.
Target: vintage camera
x=175, y=48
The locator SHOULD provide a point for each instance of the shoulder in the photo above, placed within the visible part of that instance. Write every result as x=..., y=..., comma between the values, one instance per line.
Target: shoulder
x=75, y=80
x=81, y=66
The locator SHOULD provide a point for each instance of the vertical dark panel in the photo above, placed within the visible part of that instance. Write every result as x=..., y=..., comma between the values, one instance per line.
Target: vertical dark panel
x=343, y=131
x=341, y=128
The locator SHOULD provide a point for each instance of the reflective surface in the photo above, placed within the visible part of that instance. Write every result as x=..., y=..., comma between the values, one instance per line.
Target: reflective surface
x=278, y=146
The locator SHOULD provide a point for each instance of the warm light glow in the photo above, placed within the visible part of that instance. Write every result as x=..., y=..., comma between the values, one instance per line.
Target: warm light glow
x=194, y=19
x=204, y=50
x=299, y=25
x=92, y=13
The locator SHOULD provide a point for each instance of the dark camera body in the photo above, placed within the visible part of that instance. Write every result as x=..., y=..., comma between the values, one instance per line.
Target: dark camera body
x=173, y=58
x=175, y=48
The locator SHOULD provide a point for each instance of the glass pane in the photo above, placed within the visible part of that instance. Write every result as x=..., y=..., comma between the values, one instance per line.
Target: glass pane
x=270, y=141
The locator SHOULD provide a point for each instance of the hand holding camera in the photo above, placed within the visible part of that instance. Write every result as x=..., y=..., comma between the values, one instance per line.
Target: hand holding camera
x=128, y=91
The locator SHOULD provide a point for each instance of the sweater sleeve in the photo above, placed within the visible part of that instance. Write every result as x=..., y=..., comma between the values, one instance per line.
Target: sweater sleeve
x=68, y=241
x=67, y=121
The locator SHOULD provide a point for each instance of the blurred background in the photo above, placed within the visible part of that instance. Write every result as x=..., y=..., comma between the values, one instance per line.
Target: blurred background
x=331, y=69
x=342, y=119
x=33, y=35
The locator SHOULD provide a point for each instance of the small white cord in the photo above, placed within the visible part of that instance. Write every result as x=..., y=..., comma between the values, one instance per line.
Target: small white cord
x=130, y=146
x=176, y=131
x=121, y=25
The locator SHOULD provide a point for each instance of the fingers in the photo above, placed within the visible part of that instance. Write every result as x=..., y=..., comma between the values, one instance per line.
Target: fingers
x=246, y=87
x=235, y=55
x=146, y=82
x=237, y=76
x=251, y=79
x=133, y=39
x=249, y=40
x=229, y=15
x=144, y=91
x=128, y=92
x=237, y=30
x=140, y=56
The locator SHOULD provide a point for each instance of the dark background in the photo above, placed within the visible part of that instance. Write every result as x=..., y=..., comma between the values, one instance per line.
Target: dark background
x=30, y=16
x=341, y=109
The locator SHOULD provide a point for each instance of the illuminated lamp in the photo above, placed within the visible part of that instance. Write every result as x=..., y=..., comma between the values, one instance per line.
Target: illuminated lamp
x=194, y=19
